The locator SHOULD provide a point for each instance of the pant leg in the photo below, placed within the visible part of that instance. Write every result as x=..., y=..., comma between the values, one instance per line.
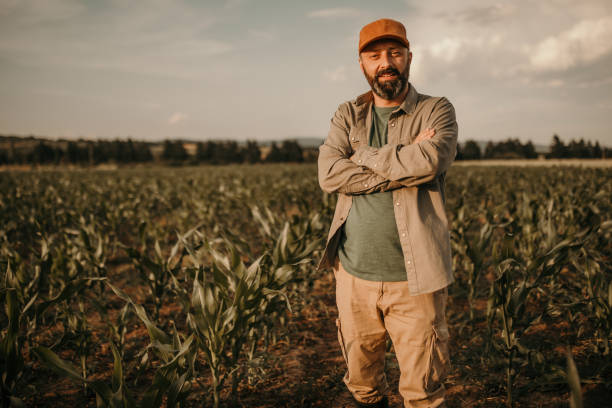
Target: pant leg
x=418, y=330
x=362, y=335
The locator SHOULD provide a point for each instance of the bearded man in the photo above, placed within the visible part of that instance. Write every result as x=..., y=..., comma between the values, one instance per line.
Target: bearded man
x=386, y=156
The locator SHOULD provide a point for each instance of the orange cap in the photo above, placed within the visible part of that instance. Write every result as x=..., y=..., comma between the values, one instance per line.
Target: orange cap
x=385, y=28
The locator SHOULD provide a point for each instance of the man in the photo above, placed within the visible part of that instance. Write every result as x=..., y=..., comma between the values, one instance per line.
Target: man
x=386, y=156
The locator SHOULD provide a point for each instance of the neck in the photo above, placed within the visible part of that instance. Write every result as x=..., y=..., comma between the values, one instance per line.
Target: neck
x=387, y=103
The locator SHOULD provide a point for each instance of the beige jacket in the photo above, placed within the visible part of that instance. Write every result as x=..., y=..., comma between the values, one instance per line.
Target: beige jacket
x=414, y=172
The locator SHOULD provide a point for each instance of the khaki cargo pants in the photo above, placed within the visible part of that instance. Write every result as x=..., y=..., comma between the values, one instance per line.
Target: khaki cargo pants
x=417, y=327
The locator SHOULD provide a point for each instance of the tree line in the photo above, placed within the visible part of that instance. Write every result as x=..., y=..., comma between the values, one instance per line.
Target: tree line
x=515, y=149
x=35, y=151
x=38, y=151
x=24, y=151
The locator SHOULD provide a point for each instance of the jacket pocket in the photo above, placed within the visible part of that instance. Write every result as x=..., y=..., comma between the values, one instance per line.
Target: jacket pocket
x=356, y=138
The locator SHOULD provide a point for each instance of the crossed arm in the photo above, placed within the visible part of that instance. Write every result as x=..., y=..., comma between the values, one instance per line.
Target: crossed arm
x=369, y=170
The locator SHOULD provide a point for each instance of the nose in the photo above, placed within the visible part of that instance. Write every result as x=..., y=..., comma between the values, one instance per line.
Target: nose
x=385, y=60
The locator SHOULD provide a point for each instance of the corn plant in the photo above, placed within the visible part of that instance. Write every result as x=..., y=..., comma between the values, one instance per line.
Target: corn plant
x=156, y=271
x=23, y=313
x=473, y=252
x=599, y=292
x=170, y=385
x=508, y=300
x=291, y=242
x=228, y=307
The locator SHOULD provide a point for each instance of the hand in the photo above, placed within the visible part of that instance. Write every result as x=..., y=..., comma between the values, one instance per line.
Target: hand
x=425, y=134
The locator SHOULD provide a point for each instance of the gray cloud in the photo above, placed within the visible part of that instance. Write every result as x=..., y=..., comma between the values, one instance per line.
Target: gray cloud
x=488, y=14
x=114, y=67
x=335, y=13
x=584, y=43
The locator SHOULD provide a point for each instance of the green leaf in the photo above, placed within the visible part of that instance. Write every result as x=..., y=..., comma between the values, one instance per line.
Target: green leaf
x=573, y=379
x=117, y=368
x=56, y=364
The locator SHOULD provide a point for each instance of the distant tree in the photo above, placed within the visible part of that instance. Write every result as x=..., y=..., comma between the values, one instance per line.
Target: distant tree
x=142, y=152
x=72, y=152
x=251, y=153
x=489, y=150
x=557, y=148
x=529, y=151
x=90, y=153
x=41, y=154
x=597, y=152
x=174, y=151
x=510, y=149
x=231, y=153
x=129, y=155
x=471, y=151
x=205, y=152
x=275, y=155
x=291, y=151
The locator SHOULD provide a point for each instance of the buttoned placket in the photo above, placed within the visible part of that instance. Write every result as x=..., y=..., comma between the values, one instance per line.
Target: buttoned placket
x=393, y=136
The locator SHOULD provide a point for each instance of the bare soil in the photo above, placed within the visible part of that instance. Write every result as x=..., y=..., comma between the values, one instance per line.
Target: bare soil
x=306, y=369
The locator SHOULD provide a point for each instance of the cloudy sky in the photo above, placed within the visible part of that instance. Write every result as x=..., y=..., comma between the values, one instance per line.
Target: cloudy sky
x=260, y=69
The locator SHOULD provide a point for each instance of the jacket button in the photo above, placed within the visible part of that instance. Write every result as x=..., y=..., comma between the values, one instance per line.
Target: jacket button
x=397, y=203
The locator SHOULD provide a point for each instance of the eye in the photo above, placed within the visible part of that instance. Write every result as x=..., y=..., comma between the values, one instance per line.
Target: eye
x=395, y=53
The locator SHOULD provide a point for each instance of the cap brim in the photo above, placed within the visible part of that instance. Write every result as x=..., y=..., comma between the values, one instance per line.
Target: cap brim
x=385, y=37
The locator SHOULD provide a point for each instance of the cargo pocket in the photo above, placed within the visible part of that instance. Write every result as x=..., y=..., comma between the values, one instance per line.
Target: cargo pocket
x=438, y=363
x=341, y=341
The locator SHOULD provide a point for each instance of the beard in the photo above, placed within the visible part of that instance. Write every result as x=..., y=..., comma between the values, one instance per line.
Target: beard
x=391, y=89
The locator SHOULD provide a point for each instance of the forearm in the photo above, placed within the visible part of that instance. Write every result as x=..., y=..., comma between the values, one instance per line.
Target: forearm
x=338, y=174
x=416, y=163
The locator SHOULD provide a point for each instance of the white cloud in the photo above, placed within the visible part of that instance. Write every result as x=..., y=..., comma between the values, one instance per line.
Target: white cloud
x=337, y=74
x=584, y=43
x=451, y=49
x=337, y=12
x=484, y=14
x=446, y=49
x=176, y=118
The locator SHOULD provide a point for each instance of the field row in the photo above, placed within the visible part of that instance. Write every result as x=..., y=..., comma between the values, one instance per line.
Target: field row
x=178, y=287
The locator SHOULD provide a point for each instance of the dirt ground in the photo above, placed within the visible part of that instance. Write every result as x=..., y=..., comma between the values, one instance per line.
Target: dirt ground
x=306, y=370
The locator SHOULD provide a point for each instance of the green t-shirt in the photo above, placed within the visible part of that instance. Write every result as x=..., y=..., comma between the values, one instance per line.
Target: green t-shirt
x=370, y=247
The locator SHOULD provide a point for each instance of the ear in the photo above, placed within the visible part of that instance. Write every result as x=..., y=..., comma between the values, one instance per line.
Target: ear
x=409, y=57
x=361, y=65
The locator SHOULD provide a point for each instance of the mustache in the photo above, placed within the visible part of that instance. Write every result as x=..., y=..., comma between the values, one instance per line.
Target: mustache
x=389, y=70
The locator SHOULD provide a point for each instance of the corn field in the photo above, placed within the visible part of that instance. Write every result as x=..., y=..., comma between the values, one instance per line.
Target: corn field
x=185, y=287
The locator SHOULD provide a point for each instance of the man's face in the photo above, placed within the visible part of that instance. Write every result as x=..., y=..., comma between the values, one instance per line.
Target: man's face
x=386, y=66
